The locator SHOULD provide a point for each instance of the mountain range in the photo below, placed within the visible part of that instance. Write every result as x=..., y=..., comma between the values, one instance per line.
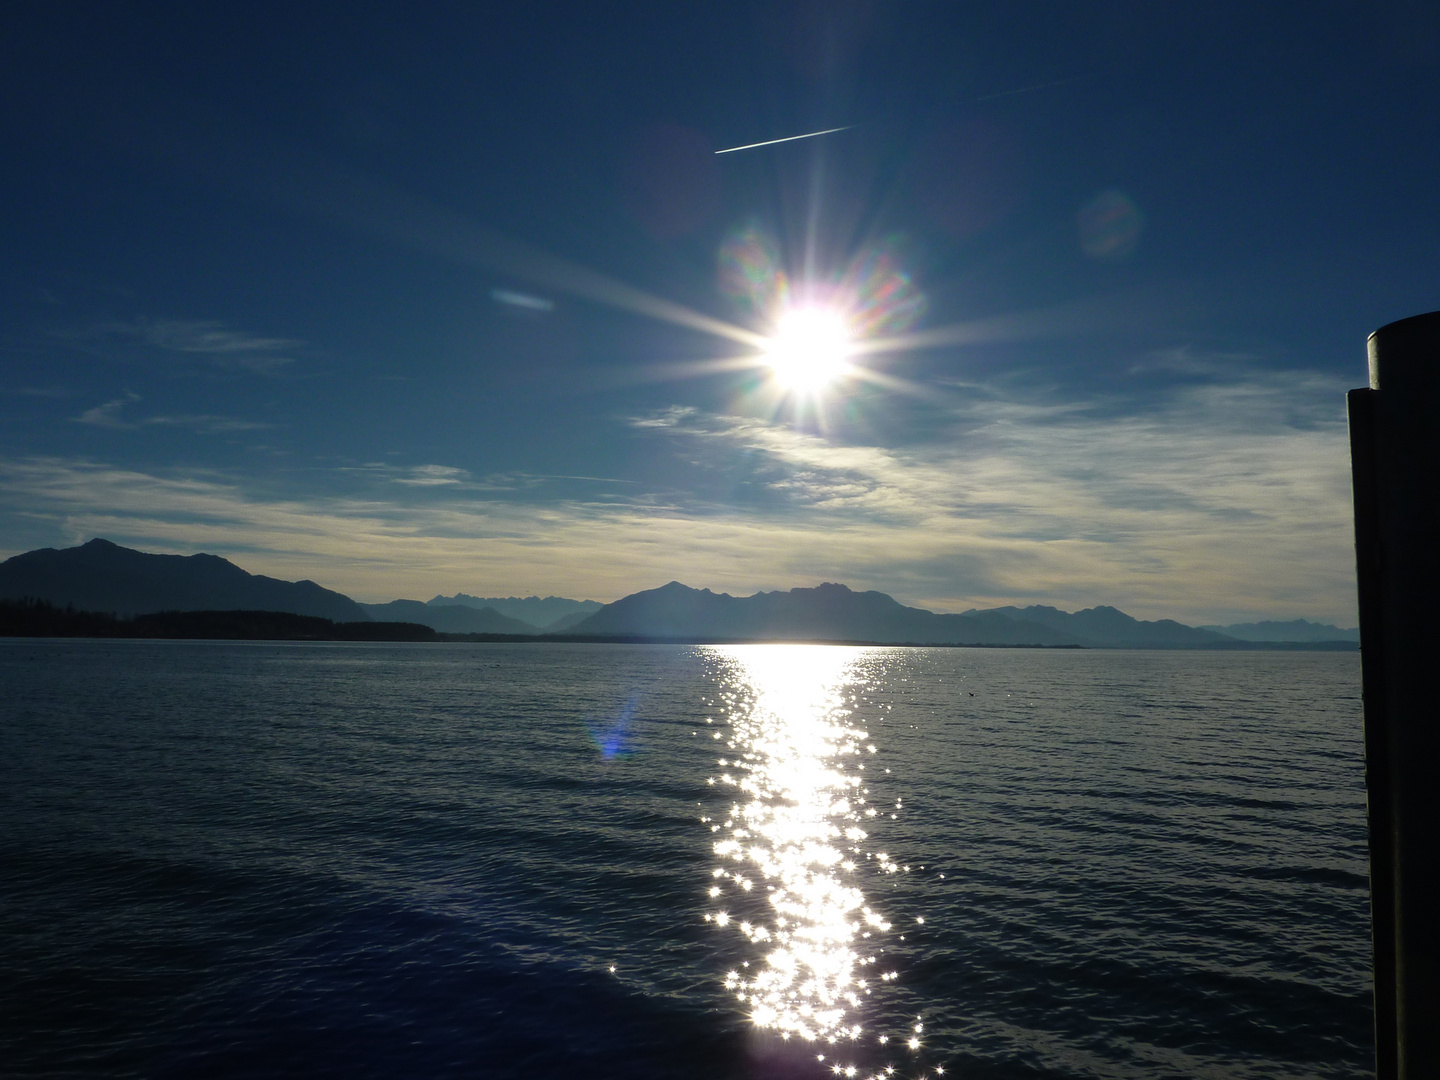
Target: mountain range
x=449, y=618
x=1291, y=630
x=551, y=613
x=836, y=613
x=103, y=577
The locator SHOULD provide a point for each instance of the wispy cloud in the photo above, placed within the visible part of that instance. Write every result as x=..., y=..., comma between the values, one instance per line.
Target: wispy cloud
x=672, y=417
x=1227, y=498
x=1229, y=491
x=452, y=477
x=111, y=415
x=382, y=547
x=524, y=301
x=207, y=425
x=426, y=476
x=430, y=476
x=215, y=341
x=108, y=415
x=208, y=337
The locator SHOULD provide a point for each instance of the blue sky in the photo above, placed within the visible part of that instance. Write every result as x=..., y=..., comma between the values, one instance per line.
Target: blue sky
x=418, y=299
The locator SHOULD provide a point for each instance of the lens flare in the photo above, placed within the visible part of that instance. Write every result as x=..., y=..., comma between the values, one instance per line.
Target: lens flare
x=613, y=735
x=1110, y=225
x=821, y=326
x=809, y=349
x=751, y=273
x=879, y=296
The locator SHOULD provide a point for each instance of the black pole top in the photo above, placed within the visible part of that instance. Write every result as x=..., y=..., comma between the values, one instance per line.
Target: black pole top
x=1407, y=354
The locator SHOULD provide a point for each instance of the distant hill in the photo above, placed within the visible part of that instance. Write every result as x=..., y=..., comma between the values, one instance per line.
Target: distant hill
x=827, y=612
x=1108, y=627
x=37, y=618
x=539, y=613
x=836, y=613
x=1293, y=630
x=449, y=618
x=105, y=577
x=567, y=622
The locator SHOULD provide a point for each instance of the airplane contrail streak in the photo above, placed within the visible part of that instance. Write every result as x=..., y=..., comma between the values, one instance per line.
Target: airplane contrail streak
x=1027, y=89
x=788, y=138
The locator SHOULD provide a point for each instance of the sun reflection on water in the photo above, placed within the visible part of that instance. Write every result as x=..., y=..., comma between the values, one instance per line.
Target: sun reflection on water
x=789, y=847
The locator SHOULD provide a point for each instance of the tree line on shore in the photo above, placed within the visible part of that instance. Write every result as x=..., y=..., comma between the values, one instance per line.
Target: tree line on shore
x=29, y=617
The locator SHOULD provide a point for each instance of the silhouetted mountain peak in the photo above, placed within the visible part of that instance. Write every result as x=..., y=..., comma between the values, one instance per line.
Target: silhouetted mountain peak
x=449, y=618
x=827, y=612
x=103, y=576
x=676, y=588
x=535, y=610
x=834, y=612
x=1108, y=626
x=1296, y=630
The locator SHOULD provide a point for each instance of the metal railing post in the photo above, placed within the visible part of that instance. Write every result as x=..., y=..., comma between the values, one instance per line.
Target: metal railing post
x=1395, y=462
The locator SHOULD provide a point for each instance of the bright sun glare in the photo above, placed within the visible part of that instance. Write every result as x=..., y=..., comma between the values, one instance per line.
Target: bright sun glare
x=809, y=348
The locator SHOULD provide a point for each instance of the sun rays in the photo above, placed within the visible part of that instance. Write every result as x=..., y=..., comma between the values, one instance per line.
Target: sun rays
x=809, y=350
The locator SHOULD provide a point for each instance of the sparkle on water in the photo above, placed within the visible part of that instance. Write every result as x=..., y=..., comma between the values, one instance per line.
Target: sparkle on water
x=791, y=840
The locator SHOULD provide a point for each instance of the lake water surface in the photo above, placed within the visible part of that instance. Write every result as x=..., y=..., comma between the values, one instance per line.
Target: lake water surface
x=287, y=860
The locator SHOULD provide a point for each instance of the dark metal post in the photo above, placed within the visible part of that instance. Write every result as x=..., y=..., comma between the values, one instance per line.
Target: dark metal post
x=1395, y=461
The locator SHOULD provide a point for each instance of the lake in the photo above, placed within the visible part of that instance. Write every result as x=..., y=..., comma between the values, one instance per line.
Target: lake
x=526, y=860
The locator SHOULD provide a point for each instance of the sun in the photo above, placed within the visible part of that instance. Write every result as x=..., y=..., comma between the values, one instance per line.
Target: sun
x=809, y=349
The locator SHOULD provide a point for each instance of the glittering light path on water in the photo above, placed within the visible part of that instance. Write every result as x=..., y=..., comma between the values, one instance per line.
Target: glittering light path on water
x=789, y=846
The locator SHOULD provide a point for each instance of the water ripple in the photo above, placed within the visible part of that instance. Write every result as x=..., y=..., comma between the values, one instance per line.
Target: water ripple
x=232, y=860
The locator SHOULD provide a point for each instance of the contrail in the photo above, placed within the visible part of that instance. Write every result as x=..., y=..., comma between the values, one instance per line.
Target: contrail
x=788, y=138
x=1024, y=90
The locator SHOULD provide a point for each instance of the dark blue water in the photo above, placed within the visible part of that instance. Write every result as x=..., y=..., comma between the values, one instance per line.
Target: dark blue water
x=234, y=860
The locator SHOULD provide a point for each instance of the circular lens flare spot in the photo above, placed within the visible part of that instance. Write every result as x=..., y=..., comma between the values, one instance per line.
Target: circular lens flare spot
x=809, y=349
